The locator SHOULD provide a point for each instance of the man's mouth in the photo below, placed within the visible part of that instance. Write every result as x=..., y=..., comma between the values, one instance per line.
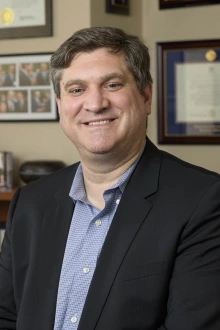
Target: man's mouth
x=99, y=122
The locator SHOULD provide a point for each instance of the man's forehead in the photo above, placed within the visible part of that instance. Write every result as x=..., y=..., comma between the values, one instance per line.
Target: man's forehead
x=99, y=53
x=97, y=65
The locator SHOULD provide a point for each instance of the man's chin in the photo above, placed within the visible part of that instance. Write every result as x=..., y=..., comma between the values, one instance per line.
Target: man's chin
x=99, y=150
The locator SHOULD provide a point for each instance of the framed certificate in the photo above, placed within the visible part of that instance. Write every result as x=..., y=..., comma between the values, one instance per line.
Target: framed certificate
x=165, y=4
x=25, y=18
x=188, y=92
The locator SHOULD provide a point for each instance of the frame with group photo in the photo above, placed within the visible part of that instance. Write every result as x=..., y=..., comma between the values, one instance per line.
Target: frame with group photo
x=26, y=91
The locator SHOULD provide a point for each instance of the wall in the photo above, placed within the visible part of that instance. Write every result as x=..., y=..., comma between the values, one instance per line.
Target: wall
x=182, y=24
x=132, y=23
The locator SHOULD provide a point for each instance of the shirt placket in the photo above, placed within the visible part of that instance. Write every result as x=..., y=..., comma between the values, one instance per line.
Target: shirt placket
x=88, y=258
x=75, y=239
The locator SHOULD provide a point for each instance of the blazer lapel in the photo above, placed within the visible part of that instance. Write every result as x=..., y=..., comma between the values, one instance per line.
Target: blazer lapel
x=132, y=211
x=57, y=219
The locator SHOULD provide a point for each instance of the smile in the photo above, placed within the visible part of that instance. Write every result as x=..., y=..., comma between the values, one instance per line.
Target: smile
x=100, y=122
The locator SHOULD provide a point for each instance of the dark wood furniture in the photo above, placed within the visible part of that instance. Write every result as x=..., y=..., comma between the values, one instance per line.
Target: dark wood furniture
x=5, y=198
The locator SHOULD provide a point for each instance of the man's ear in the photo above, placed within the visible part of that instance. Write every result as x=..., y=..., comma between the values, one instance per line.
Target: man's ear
x=147, y=95
x=58, y=104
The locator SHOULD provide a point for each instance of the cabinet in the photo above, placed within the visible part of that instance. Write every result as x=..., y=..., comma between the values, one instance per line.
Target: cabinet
x=5, y=198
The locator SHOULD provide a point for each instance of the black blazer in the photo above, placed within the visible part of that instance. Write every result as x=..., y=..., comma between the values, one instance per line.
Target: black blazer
x=159, y=268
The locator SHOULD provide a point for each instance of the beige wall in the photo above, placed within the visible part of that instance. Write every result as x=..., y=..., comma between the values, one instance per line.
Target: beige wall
x=178, y=25
x=30, y=141
x=132, y=23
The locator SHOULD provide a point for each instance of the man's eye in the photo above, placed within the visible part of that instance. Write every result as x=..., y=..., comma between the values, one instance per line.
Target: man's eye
x=75, y=91
x=114, y=86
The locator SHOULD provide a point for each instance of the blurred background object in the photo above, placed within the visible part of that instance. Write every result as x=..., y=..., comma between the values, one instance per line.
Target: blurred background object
x=32, y=170
x=6, y=169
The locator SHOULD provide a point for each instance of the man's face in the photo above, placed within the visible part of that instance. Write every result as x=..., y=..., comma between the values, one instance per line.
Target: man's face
x=101, y=109
x=37, y=95
x=20, y=96
x=3, y=107
x=10, y=96
x=43, y=66
x=11, y=69
x=28, y=67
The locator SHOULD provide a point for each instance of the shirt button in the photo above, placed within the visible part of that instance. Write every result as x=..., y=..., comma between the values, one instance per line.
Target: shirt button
x=98, y=222
x=85, y=270
x=117, y=201
x=74, y=319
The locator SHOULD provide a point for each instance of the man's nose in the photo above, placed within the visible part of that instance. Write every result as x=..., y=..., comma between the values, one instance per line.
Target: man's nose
x=96, y=100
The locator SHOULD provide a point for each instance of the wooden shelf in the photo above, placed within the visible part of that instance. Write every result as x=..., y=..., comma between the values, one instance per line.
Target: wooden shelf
x=5, y=198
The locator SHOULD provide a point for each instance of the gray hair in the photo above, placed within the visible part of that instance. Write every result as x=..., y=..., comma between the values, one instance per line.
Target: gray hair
x=136, y=54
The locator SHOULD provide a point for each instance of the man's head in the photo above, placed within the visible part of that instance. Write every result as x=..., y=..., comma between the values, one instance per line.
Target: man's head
x=11, y=68
x=3, y=107
x=20, y=96
x=28, y=67
x=10, y=95
x=103, y=86
x=37, y=94
x=43, y=67
x=135, y=53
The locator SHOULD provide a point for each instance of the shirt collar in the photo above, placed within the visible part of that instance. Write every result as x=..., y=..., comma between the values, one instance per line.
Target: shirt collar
x=77, y=191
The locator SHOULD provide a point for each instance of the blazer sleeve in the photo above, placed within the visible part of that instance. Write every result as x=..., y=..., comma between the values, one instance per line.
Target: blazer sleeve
x=8, y=313
x=194, y=291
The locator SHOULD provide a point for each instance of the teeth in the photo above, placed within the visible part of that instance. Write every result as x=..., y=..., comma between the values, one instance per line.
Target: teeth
x=99, y=122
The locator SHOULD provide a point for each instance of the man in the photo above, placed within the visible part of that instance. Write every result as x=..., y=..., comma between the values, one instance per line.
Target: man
x=10, y=76
x=36, y=102
x=26, y=74
x=43, y=75
x=3, y=107
x=2, y=75
x=11, y=101
x=21, y=104
x=130, y=237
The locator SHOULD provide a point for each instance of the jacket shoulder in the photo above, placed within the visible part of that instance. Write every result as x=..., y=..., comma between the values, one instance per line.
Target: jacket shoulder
x=181, y=170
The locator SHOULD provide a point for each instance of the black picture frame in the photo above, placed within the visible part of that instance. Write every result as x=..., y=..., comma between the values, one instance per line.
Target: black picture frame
x=31, y=31
x=120, y=7
x=26, y=91
x=187, y=94
x=167, y=4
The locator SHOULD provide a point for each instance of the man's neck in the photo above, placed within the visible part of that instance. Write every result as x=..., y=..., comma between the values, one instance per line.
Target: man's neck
x=100, y=177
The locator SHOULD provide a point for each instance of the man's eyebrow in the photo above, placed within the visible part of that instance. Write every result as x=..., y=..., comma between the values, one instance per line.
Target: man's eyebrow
x=72, y=82
x=112, y=76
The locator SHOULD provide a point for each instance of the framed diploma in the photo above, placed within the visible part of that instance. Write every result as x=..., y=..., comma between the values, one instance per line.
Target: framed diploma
x=25, y=18
x=188, y=92
x=165, y=4
x=26, y=91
